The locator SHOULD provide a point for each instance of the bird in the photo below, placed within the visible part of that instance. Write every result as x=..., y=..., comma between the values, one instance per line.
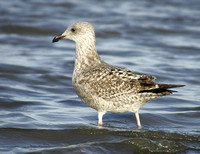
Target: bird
x=105, y=87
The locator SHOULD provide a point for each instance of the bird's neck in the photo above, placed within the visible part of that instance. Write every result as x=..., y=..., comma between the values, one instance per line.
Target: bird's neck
x=86, y=55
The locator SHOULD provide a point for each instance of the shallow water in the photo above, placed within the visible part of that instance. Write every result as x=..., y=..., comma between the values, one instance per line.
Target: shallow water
x=39, y=109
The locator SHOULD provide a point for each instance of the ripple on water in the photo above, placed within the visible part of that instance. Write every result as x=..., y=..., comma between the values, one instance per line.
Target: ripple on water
x=84, y=139
x=39, y=110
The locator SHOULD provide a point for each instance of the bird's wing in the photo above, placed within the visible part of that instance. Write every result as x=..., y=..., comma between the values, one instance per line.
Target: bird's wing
x=110, y=82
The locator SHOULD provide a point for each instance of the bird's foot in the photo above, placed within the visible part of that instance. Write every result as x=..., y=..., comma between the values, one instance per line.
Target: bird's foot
x=100, y=125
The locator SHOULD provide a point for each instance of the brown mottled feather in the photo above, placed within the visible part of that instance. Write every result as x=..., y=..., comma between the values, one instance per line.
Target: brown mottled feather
x=111, y=81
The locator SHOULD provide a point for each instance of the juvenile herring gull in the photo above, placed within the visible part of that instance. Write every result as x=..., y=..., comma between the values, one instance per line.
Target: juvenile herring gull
x=104, y=87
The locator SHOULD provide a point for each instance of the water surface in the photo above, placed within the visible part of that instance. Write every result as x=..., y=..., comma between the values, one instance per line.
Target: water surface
x=39, y=109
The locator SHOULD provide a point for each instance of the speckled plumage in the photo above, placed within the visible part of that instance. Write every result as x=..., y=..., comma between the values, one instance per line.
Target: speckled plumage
x=104, y=87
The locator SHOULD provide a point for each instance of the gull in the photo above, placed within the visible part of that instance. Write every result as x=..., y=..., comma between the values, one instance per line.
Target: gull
x=104, y=87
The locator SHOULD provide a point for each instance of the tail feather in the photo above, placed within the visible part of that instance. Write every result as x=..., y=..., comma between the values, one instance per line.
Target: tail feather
x=168, y=86
x=162, y=89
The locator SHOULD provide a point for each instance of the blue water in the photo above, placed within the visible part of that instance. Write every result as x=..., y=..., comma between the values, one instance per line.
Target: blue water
x=39, y=109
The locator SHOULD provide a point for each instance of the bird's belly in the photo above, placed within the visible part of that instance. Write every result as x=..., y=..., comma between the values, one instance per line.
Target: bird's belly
x=117, y=104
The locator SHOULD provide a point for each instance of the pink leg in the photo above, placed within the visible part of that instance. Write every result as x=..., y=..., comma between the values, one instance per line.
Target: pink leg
x=100, y=117
x=138, y=120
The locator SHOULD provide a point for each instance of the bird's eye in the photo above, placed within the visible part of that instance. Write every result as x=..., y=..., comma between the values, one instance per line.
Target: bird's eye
x=73, y=30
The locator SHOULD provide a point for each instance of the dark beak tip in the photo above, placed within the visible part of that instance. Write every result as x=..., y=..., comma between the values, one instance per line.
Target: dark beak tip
x=54, y=39
x=58, y=38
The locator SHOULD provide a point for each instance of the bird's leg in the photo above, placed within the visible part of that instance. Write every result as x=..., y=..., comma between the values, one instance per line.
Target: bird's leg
x=138, y=120
x=100, y=117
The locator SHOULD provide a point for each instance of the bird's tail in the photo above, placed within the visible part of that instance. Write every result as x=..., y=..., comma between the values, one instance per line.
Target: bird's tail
x=169, y=86
x=162, y=89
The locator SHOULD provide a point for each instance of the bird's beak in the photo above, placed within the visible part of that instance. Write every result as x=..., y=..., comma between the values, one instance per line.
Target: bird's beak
x=58, y=38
